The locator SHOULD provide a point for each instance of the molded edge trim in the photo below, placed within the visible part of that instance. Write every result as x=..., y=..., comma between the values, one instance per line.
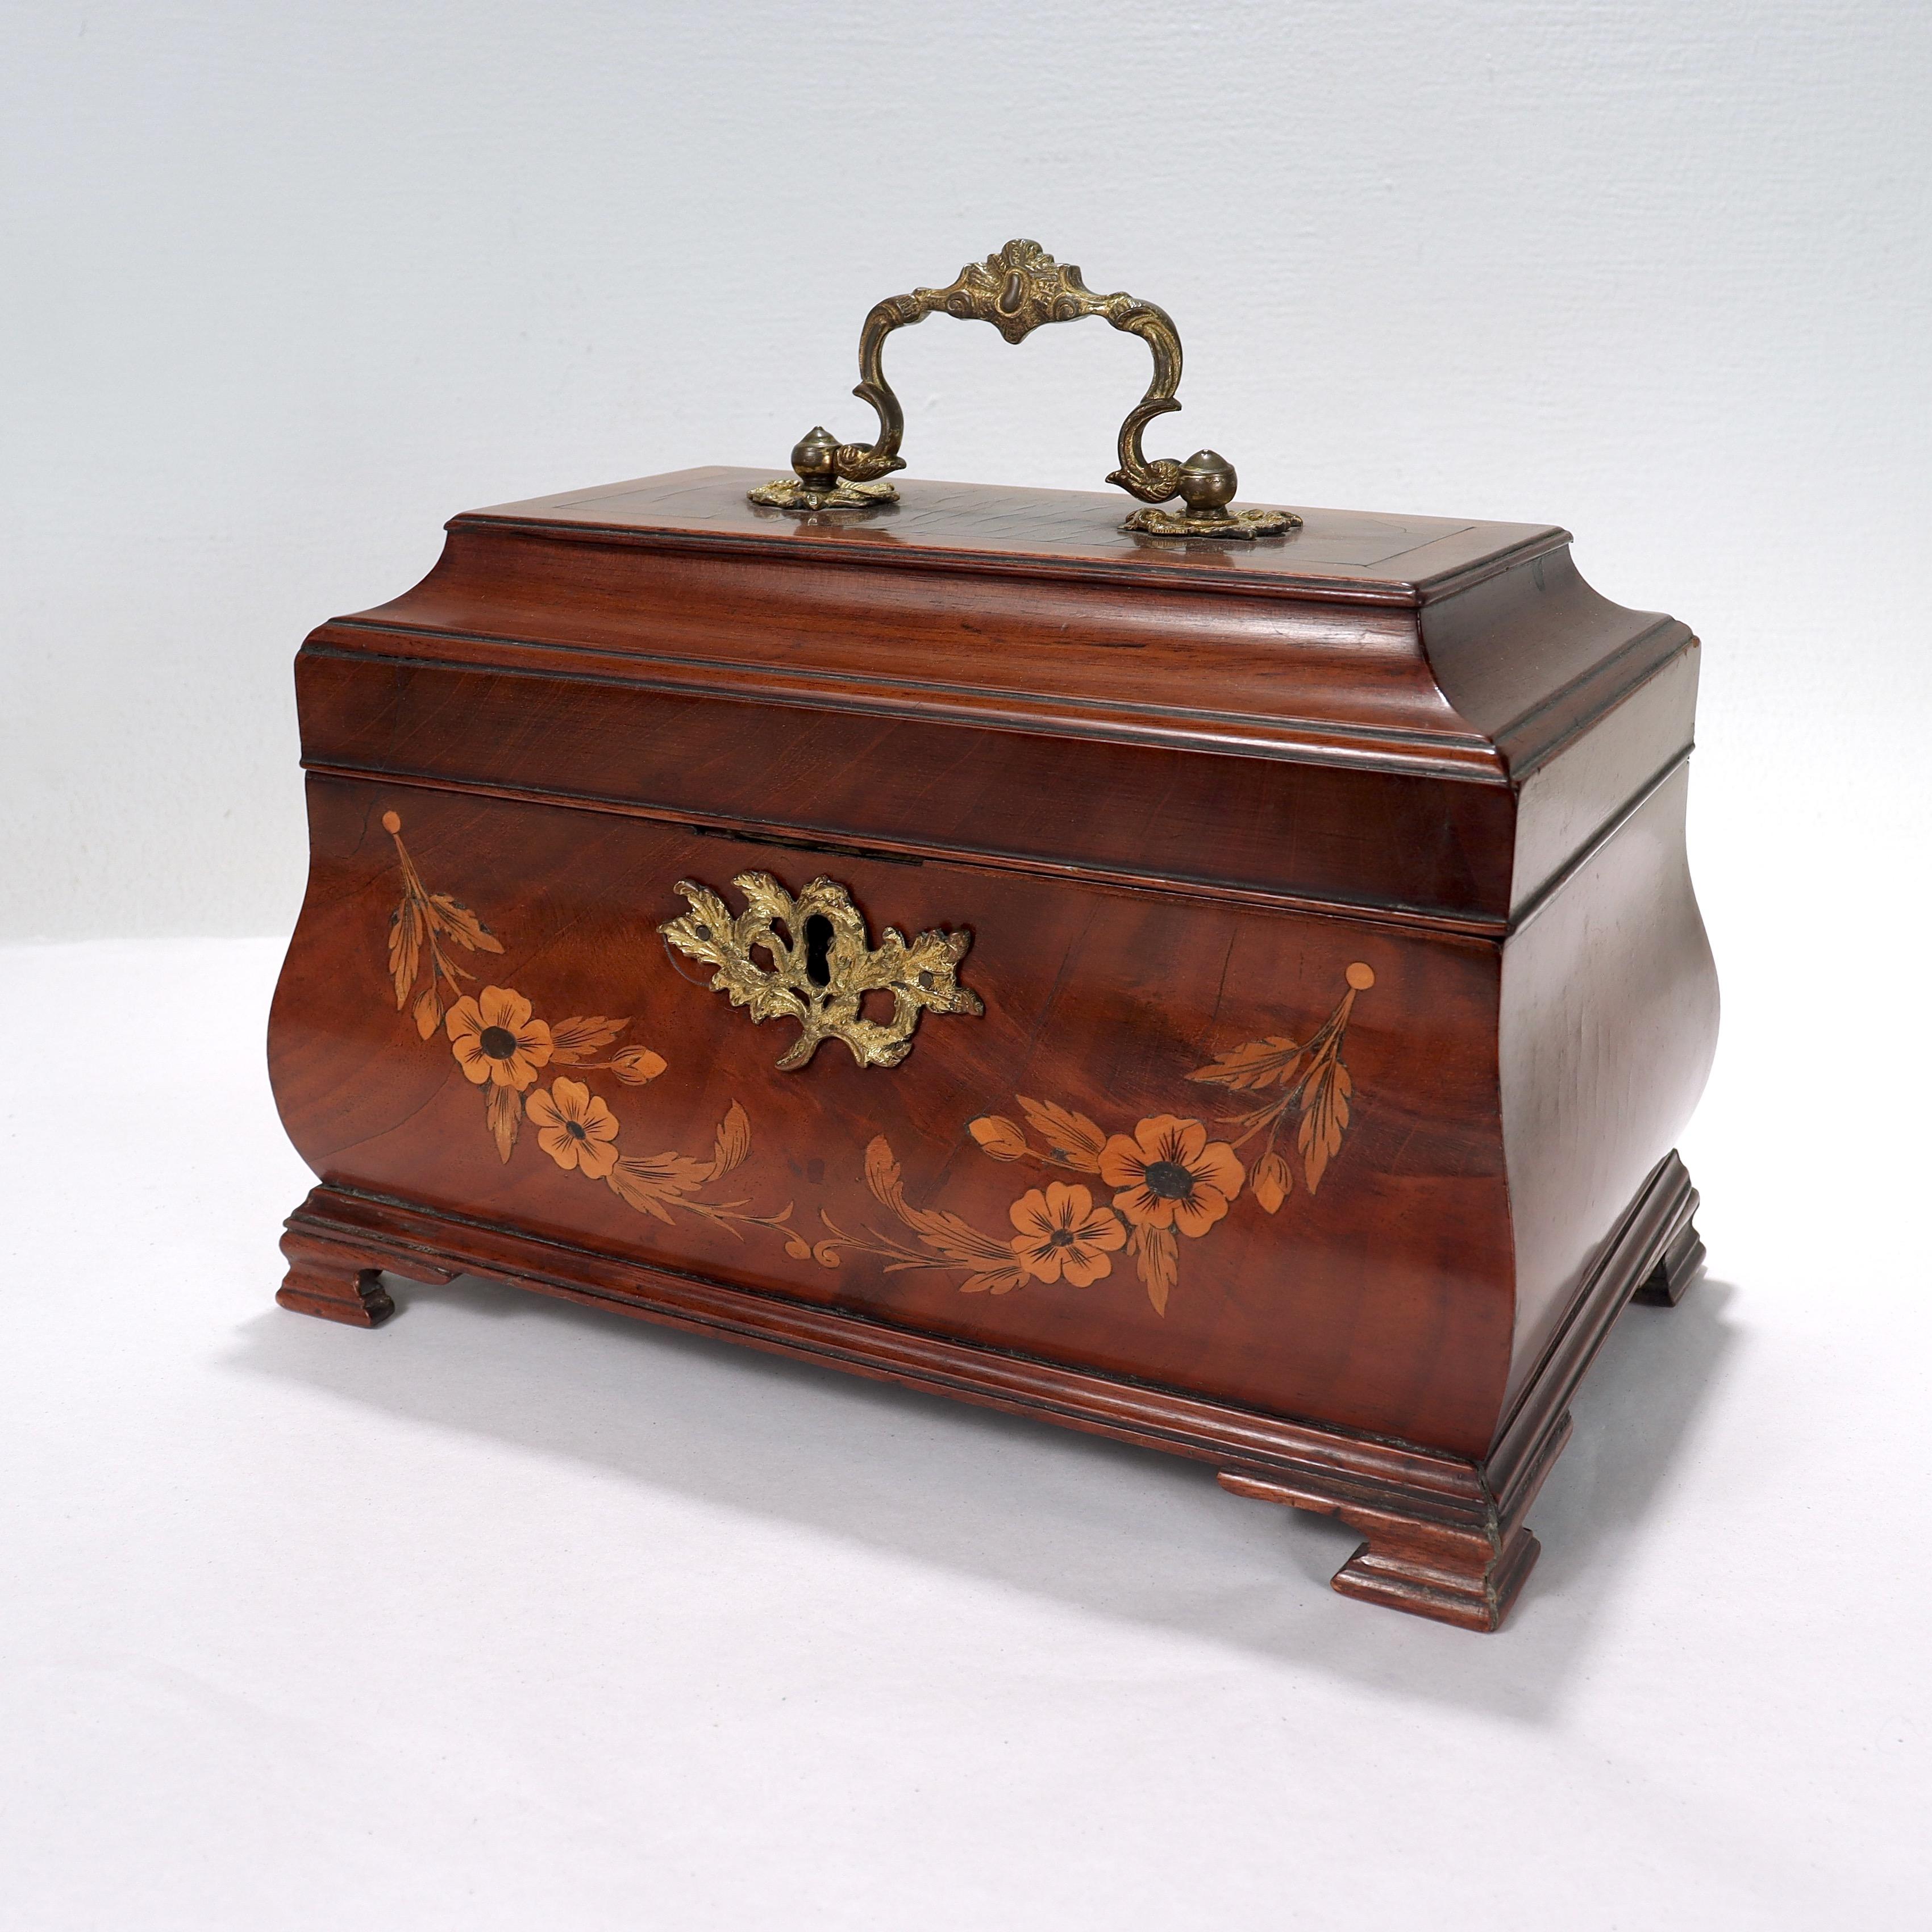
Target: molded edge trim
x=1400, y=592
x=1461, y=757
x=398, y=1235
x=1653, y=1222
x=1608, y=682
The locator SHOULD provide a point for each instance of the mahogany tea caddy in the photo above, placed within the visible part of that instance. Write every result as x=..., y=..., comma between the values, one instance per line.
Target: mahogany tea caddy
x=1229, y=981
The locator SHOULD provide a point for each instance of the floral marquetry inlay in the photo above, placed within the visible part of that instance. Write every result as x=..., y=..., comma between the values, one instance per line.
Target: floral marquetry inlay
x=505, y=1049
x=1166, y=1181
x=1139, y=1196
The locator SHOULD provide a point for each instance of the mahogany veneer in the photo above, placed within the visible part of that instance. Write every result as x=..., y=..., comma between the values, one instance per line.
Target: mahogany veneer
x=1343, y=988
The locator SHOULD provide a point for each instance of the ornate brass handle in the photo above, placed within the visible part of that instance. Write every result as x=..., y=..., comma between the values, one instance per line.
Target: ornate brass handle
x=1019, y=289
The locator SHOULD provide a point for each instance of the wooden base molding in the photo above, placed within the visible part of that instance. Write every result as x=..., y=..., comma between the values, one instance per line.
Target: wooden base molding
x=1665, y=1282
x=1445, y=1537
x=339, y=1281
x=1464, y=1569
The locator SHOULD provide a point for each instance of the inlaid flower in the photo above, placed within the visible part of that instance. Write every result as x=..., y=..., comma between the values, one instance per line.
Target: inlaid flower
x=637, y=1066
x=1170, y=1175
x=1062, y=1233
x=574, y=1128
x=494, y=1039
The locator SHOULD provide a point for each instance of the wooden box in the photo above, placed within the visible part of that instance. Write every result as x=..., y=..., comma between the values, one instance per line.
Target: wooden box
x=1303, y=982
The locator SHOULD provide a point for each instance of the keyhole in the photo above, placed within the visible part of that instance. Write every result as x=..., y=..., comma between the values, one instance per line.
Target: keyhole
x=818, y=945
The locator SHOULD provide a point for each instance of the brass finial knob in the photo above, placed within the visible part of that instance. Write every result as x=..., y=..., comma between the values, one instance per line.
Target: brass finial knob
x=1208, y=484
x=815, y=457
x=817, y=485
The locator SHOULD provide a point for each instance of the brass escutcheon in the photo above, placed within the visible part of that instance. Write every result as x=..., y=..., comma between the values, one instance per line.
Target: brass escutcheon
x=822, y=966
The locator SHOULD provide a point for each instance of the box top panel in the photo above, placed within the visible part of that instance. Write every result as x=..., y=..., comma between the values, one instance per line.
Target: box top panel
x=1344, y=555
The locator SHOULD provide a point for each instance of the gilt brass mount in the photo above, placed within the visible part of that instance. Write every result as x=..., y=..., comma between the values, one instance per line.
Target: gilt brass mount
x=1019, y=289
x=822, y=966
x=817, y=485
x=1207, y=487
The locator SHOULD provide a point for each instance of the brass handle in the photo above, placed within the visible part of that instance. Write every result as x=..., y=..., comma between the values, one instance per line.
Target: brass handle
x=1019, y=289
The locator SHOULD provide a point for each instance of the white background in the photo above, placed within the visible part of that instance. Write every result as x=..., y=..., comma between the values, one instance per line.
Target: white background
x=510, y=1615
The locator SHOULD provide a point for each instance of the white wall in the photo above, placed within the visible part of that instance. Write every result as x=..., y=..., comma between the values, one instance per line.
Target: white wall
x=285, y=285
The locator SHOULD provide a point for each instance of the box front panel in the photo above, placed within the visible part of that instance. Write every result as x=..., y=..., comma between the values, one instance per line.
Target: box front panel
x=1250, y=1154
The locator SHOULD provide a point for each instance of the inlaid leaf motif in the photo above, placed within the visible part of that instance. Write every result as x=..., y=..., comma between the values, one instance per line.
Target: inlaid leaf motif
x=1157, y=1260
x=958, y=1240
x=462, y=925
x=996, y=1281
x=503, y=1108
x=1169, y=1179
x=503, y=1047
x=883, y=1175
x=1313, y=1084
x=578, y=1037
x=1261, y=1062
x=654, y=1184
x=948, y=1235
x=1072, y=1140
x=634, y=1192
x=733, y=1142
x=998, y=1137
x=1319, y=1136
x=405, y=932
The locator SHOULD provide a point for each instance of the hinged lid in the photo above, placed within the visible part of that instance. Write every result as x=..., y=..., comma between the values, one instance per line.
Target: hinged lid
x=1382, y=715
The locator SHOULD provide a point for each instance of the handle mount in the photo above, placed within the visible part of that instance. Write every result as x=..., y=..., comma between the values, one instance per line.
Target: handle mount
x=1019, y=289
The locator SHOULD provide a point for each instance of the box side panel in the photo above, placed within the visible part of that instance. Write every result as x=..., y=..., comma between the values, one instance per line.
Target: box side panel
x=1360, y=1276
x=1608, y=1023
